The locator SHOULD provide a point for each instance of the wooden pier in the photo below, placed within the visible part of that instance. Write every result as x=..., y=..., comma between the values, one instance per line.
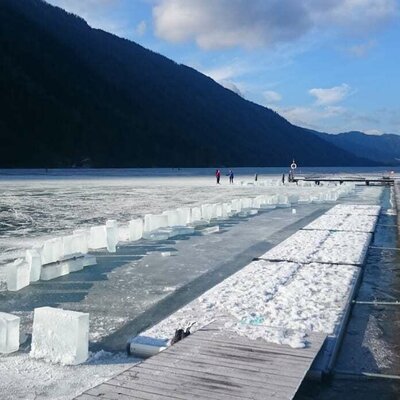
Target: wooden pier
x=215, y=363
x=384, y=181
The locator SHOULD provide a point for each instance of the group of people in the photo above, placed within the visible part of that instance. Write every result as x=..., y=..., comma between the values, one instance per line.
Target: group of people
x=218, y=176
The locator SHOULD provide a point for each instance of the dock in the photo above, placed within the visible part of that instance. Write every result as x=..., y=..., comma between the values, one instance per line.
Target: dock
x=384, y=181
x=215, y=363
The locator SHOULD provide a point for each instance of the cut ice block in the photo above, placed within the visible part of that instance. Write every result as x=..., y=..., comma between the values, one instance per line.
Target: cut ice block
x=157, y=235
x=246, y=203
x=9, y=333
x=165, y=253
x=206, y=212
x=112, y=235
x=173, y=217
x=60, y=336
x=52, y=250
x=195, y=215
x=153, y=222
x=76, y=243
x=35, y=264
x=144, y=346
x=181, y=230
x=218, y=210
x=209, y=230
x=89, y=260
x=98, y=237
x=236, y=205
x=18, y=275
x=283, y=201
x=135, y=229
x=184, y=215
x=123, y=233
x=55, y=270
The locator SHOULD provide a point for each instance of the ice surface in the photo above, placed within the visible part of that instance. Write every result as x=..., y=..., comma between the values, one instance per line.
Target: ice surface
x=135, y=229
x=98, y=237
x=9, y=333
x=35, y=264
x=60, y=336
x=52, y=250
x=18, y=275
x=112, y=235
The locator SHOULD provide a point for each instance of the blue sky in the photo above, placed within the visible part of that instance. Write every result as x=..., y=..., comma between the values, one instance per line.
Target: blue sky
x=330, y=65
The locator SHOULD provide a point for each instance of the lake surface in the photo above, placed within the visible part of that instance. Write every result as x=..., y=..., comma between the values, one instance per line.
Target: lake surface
x=36, y=205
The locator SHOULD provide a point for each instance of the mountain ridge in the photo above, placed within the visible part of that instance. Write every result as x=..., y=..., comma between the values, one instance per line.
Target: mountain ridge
x=71, y=94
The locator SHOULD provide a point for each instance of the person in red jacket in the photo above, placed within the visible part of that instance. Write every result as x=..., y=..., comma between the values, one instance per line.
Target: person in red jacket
x=218, y=175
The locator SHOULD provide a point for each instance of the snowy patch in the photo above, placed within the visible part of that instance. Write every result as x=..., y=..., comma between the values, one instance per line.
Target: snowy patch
x=277, y=302
x=344, y=222
x=322, y=246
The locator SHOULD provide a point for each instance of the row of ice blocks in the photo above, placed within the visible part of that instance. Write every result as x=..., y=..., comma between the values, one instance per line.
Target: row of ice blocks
x=19, y=273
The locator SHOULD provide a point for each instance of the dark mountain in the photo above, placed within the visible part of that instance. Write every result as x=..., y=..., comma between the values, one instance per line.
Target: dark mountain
x=383, y=149
x=70, y=93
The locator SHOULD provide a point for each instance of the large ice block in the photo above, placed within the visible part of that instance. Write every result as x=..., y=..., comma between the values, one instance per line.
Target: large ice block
x=135, y=229
x=52, y=250
x=9, y=333
x=153, y=222
x=195, y=215
x=60, y=336
x=173, y=217
x=236, y=206
x=18, y=275
x=206, y=211
x=65, y=267
x=76, y=243
x=98, y=237
x=246, y=203
x=34, y=261
x=112, y=235
x=184, y=215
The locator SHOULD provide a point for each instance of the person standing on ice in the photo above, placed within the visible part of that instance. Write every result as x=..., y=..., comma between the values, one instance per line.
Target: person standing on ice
x=231, y=176
x=218, y=175
x=283, y=178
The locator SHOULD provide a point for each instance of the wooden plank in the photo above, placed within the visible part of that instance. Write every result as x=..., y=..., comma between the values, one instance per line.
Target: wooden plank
x=258, y=344
x=171, y=375
x=183, y=388
x=245, y=367
x=214, y=364
x=248, y=353
x=223, y=372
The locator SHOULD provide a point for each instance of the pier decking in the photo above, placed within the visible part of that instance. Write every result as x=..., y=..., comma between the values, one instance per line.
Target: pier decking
x=385, y=181
x=214, y=363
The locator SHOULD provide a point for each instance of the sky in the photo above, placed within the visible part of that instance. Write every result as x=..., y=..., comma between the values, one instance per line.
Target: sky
x=329, y=65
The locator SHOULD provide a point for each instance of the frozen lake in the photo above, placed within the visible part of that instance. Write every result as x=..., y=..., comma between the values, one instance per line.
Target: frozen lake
x=130, y=292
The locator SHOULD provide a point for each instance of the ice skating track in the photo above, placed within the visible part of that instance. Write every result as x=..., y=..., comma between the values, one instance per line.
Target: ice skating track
x=215, y=364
